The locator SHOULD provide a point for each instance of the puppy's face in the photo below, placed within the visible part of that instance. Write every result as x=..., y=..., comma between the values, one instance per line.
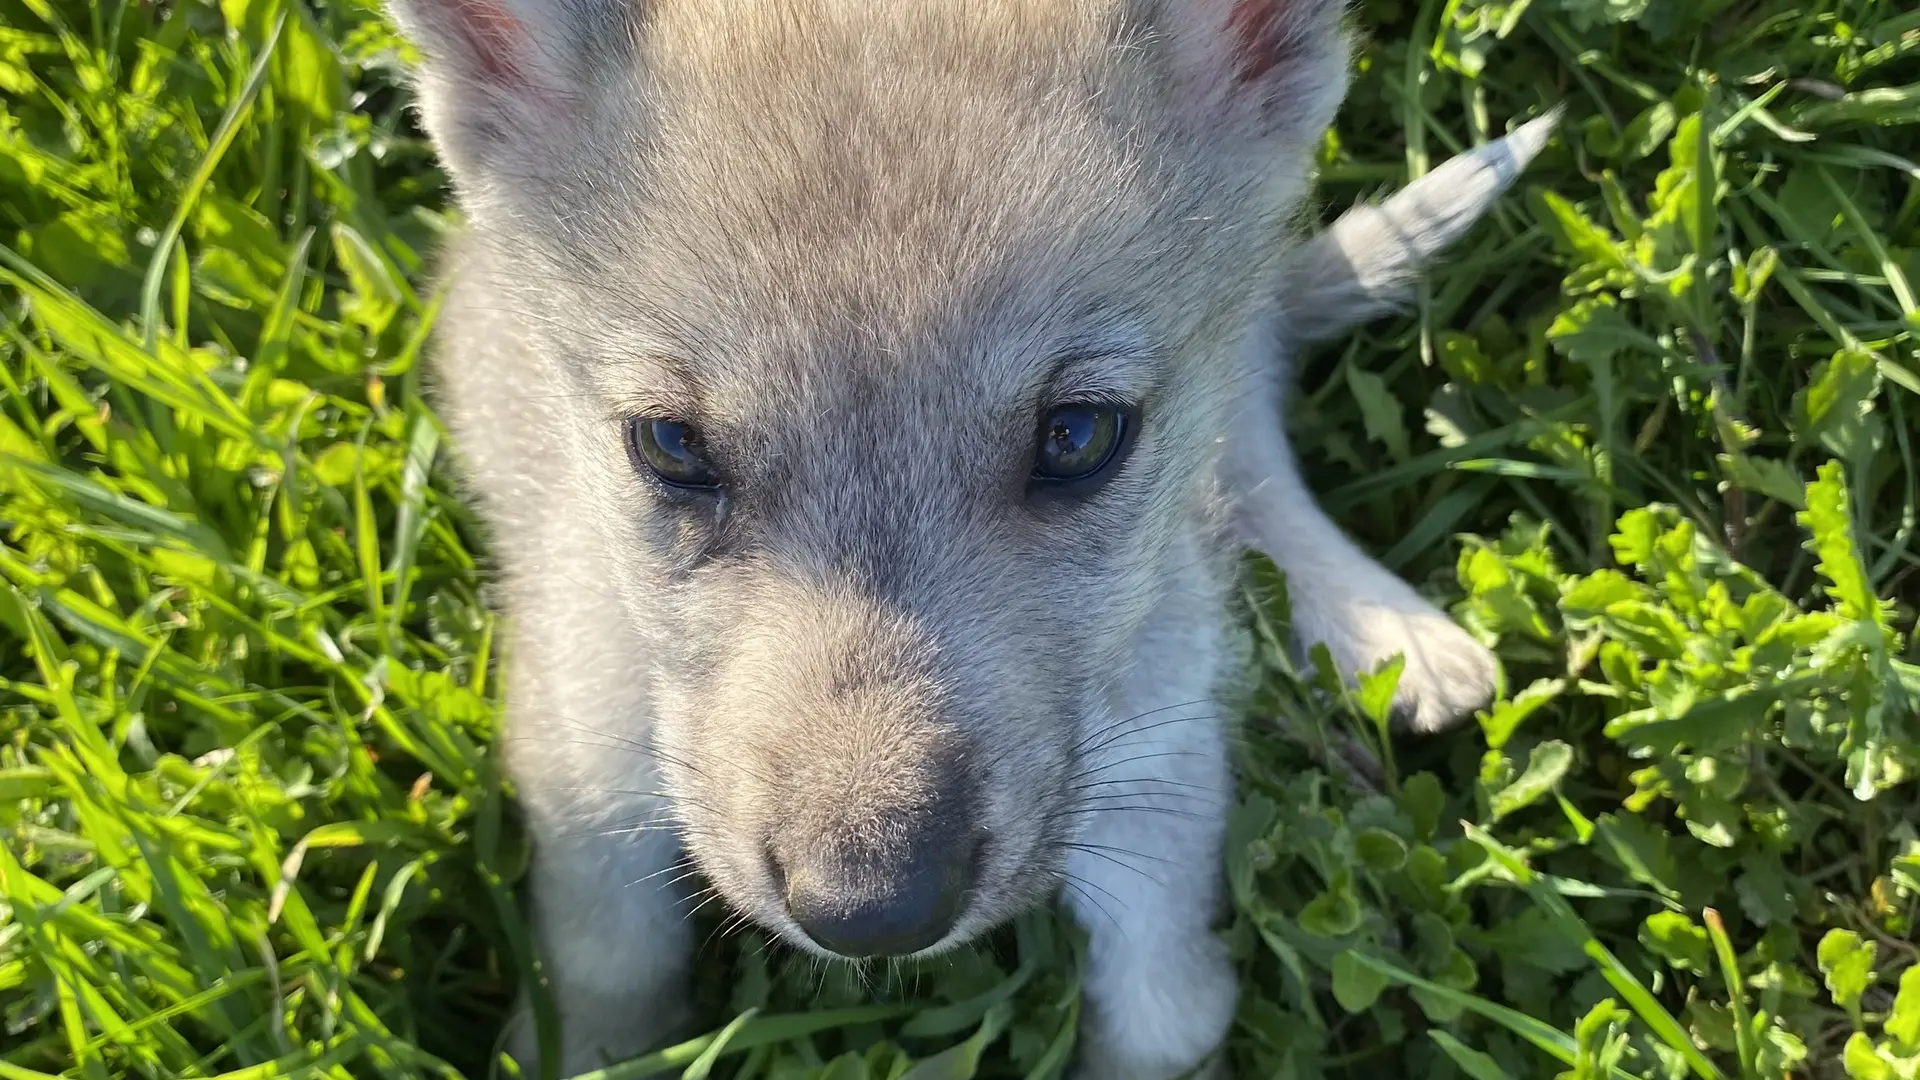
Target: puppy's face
x=902, y=336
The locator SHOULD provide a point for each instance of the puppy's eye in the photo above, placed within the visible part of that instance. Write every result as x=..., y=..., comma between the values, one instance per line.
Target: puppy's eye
x=1079, y=442
x=671, y=451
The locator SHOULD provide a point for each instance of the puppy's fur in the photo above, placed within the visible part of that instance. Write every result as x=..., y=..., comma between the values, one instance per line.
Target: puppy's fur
x=864, y=245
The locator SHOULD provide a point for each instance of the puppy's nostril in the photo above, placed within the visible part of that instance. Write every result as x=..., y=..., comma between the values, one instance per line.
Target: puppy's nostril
x=873, y=911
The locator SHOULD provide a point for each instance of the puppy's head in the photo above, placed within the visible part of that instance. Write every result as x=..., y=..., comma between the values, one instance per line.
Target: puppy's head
x=902, y=335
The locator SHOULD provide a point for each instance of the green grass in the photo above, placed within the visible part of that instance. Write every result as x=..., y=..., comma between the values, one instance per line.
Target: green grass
x=1652, y=426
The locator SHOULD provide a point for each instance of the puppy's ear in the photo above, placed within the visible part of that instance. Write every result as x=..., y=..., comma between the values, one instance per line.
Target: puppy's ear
x=1264, y=77
x=1365, y=264
x=509, y=87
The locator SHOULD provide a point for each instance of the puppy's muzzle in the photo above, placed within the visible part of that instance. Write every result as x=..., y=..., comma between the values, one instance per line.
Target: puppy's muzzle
x=887, y=888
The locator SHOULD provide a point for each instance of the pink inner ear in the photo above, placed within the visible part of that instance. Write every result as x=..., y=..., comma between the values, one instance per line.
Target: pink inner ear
x=493, y=38
x=1263, y=34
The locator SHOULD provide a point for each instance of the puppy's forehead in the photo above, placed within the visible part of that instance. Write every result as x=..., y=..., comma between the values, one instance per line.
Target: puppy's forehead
x=873, y=161
x=818, y=205
x=889, y=247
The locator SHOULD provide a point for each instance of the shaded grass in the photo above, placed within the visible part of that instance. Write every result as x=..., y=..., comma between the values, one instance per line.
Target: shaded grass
x=1651, y=427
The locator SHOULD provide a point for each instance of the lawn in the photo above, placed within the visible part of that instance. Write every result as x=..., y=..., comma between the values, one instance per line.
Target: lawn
x=1647, y=429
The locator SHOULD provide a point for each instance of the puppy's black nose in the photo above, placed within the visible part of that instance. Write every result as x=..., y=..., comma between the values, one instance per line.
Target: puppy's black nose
x=886, y=869
x=880, y=910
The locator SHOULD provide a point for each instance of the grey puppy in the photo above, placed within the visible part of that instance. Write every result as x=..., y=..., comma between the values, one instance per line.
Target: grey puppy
x=870, y=400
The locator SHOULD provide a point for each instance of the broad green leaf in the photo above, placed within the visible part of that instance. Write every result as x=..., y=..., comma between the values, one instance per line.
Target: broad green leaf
x=1839, y=401
x=1377, y=689
x=1641, y=850
x=1356, y=986
x=1382, y=851
x=1648, y=131
x=1828, y=517
x=1596, y=329
x=1903, y=1022
x=1335, y=912
x=1862, y=1062
x=1592, y=595
x=1677, y=940
x=1380, y=411
x=1423, y=800
x=1846, y=959
x=1546, y=766
x=1577, y=234
x=1507, y=716
x=1764, y=476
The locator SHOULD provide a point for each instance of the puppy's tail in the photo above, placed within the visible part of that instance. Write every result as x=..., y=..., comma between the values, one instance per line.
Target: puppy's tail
x=1364, y=265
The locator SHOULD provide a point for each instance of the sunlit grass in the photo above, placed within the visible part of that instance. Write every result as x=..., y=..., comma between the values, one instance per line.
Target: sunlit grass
x=1647, y=428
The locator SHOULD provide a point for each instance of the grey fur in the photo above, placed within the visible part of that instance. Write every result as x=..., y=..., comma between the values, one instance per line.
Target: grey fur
x=863, y=243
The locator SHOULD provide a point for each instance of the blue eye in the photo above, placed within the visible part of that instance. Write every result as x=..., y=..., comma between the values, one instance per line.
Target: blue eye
x=1077, y=442
x=671, y=451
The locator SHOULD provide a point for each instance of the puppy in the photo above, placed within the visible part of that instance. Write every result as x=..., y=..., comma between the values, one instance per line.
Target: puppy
x=870, y=401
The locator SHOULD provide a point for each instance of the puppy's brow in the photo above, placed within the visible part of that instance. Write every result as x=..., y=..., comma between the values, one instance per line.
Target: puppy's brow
x=657, y=384
x=1115, y=377
x=1115, y=364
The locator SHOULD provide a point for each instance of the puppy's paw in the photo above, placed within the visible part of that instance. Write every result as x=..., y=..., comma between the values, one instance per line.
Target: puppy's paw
x=1448, y=675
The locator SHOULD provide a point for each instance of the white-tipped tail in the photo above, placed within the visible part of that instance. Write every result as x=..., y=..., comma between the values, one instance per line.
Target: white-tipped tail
x=1365, y=263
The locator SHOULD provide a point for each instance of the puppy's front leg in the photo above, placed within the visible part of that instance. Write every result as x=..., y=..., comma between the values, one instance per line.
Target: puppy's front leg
x=611, y=927
x=1144, y=881
x=608, y=893
x=1360, y=268
x=1360, y=610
